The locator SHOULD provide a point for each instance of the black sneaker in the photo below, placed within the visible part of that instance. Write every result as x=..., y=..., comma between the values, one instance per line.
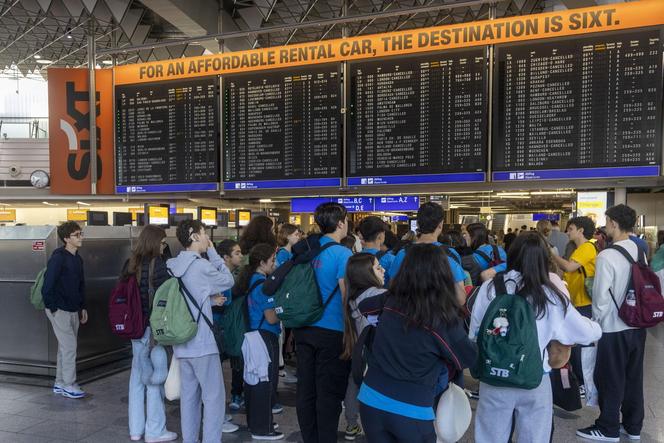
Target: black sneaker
x=593, y=433
x=274, y=435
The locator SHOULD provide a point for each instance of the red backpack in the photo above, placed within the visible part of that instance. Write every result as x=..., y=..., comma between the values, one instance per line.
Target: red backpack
x=125, y=312
x=643, y=306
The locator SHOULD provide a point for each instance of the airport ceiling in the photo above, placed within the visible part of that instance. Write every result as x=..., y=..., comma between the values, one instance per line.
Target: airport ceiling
x=36, y=32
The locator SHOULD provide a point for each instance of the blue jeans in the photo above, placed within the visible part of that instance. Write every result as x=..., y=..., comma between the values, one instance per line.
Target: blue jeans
x=148, y=374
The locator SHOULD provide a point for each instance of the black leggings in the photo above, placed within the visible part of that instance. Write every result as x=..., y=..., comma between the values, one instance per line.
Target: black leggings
x=385, y=427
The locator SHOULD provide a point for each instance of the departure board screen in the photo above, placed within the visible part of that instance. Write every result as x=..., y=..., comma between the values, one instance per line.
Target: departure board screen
x=418, y=119
x=579, y=108
x=282, y=129
x=167, y=136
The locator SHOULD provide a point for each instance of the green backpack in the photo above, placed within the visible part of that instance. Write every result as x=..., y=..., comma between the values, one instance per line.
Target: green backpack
x=298, y=301
x=235, y=322
x=36, y=297
x=507, y=344
x=172, y=321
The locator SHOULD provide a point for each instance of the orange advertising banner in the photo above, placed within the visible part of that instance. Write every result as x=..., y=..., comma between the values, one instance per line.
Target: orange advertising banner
x=69, y=131
x=504, y=30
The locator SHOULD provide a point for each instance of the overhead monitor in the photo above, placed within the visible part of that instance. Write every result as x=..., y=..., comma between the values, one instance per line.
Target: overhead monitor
x=242, y=218
x=418, y=119
x=157, y=214
x=282, y=129
x=208, y=216
x=97, y=218
x=167, y=136
x=581, y=107
x=122, y=218
x=175, y=219
x=77, y=215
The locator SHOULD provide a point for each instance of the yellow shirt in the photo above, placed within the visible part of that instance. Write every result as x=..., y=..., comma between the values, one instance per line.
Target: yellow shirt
x=584, y=255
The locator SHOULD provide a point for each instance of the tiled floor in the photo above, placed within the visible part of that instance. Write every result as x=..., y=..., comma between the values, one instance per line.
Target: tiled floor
x=34, y=415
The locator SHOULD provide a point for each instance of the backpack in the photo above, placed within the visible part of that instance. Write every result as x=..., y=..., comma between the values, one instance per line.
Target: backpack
x=588, y=282
x=643, y=306
x=470, y=265
x=171, y=320
x=298, y=301
x=125, y=311
x=235, y=322
x=36, y=297
x=507, y=344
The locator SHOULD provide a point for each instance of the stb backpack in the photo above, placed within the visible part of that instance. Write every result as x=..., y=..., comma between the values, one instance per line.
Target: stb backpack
x=172, y=321
x=36, y=297
x=125, y=309
x=298, y=301
x=235, y=322
x=643, y=306
x=508, y=349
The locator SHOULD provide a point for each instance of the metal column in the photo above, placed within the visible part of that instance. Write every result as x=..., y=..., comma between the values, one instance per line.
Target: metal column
x=92, y=90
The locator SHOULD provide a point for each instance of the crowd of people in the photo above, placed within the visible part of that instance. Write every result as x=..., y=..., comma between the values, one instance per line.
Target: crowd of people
x=422, y=310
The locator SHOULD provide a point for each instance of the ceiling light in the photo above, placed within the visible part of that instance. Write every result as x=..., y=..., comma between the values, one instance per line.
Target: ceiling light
x=50, y=204
x=511, y=194
x=83, y=203
x=43, y=61
x=107, y=62
x=69, y=36
x=552, y=192
x=265, y=200
x=37, y=56
x=516, y=197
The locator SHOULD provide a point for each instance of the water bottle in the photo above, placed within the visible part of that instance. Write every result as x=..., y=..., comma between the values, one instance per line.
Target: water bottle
x=630, y=299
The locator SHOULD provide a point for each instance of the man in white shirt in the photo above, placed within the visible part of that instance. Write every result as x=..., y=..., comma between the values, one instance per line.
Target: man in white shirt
x=619, y=366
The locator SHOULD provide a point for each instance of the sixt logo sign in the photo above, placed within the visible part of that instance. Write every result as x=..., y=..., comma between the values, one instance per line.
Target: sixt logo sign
x=78, y=159
x=499, y=372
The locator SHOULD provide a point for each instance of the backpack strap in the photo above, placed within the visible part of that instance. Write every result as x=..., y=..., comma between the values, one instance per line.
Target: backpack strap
x=483, y=255
x=257, y=283
x=496, y=253
x=195, y=303
x=626, y=254
x=447, y=248
x=499, y=283
x=151, y=290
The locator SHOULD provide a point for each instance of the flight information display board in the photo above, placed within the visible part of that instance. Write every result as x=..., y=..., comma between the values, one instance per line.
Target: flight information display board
x=579, y=108
x=419, y=119
x=282, y=129
x=167, y=137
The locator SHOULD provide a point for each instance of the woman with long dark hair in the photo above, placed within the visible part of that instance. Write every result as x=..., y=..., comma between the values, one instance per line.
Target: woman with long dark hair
x=149, y=366
x=365, y=278
x=262, y=397
x=528, y=276
x=259, y=230
x=420, y=332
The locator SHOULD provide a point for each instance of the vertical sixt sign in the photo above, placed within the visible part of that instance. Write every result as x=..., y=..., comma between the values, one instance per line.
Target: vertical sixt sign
x=69, y=131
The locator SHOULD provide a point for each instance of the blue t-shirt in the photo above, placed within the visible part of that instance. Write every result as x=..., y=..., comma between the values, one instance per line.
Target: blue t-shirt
x=641, y=243
x=259, y=302
x=330, y=267
x=488, y=250
x=283, y=256
x=457, y=270
x=385, y=261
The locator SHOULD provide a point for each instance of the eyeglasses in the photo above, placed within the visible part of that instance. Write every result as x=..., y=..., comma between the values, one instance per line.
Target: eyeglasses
x=77, y=235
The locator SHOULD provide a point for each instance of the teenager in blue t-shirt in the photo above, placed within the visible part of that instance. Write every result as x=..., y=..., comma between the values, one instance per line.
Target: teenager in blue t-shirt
x=372, y=233
x=321, y=374
x=262, y=397
x=286, y=238
x=430, y=219
x=479, y=242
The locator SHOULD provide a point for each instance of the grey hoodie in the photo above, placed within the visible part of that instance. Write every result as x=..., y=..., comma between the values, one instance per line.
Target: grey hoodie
x=361, y=321
x=203, y=279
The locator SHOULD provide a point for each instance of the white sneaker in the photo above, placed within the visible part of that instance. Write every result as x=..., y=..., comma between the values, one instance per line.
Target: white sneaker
x=57, y=389
x=629, y=436
x=287, y=377
x=229, y=428
x=166, y=436
x=73, y=391
x=135, y=437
